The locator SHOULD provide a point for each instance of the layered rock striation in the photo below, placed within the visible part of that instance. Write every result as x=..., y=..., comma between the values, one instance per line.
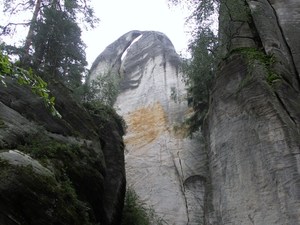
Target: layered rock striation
x=246, y=168
x=253, y=120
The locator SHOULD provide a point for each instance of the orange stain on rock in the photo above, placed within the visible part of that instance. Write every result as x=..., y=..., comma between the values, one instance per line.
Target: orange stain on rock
x=145, y=125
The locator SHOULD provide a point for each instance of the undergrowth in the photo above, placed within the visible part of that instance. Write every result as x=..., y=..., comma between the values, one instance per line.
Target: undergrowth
x=135, y=211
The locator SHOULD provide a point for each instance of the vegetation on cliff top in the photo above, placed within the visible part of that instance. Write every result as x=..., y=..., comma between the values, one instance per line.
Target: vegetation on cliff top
x=200, y=69
x=26, y=77
x=209, y=46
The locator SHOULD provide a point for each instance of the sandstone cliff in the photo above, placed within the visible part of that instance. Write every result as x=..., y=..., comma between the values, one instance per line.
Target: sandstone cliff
x=253, y=120
x=58, y=171
x=246, y=169
x=165, y=168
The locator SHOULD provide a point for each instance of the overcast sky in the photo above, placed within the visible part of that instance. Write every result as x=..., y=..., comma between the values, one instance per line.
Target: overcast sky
x=117, y=17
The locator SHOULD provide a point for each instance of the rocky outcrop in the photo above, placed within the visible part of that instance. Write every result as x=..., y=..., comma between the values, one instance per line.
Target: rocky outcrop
x=165, y=168
x=67, y=170
x=253, y=120
x=246, y=168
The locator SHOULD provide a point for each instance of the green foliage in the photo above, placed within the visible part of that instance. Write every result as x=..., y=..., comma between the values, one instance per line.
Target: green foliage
x=2, y=124
x=42, y=148
x=272, y=77
x=105, y=113
x=254, y=55
x=174, y=94
x=104, y=89
x=53, y=47
x=3, y=163
x=58, y=49
x=78, y=10
x=28, y=78
x=98, y=97
x=136, y=213
x=200, y=69
x=199, y=73
x=177, y=96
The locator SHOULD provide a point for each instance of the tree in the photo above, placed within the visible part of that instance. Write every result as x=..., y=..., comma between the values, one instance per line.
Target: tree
x=199, y=73
x=104, y=89
x=58, y=48
x=53, y=45
x=199, y=70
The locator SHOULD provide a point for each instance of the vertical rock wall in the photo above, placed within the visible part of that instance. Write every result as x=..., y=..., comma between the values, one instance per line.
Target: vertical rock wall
x=250, y=174
x=253, y=123
x=166, y=169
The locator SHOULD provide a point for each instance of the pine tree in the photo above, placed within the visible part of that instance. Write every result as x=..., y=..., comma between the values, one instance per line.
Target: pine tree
x=200, y=68
x=53, y=45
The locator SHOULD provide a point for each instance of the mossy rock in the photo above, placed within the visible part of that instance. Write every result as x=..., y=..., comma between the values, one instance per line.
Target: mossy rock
x=28, y=197
x=78, y=164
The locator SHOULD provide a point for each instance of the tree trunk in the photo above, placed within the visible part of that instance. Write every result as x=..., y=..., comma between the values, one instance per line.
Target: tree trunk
x=28, y=41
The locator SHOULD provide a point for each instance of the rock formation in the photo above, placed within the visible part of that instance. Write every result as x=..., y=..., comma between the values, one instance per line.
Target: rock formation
x=165, y=168
x=58, y=171
x=246, y=171
x=253, y=120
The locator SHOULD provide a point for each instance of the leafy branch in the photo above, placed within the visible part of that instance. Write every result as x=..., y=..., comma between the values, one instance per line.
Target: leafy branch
x=27, y=77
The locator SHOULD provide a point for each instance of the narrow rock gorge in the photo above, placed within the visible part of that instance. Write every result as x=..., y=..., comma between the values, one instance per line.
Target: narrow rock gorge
x=245, y=167
x=241, y=168
x=165, y=168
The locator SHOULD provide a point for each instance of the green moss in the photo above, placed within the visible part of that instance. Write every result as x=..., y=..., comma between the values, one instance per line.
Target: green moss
x=78, y=169
x=38, y=199
x=254, y=55
x=272, y=77
x=105, y=113
x=42, y=148
x=2, y=124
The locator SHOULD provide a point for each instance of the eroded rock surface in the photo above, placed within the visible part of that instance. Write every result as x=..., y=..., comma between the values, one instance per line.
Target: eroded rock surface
x=253, y=121
x=166, y=169
x=67, y=170
x=250, y=174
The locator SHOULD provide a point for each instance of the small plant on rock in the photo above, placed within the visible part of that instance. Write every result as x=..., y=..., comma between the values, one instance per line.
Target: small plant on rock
x=136, y=213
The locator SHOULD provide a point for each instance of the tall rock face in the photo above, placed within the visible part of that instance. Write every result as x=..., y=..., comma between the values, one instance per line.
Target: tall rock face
x=67, y=170
x=252, y=129
x=166, y=169
x=246, y=171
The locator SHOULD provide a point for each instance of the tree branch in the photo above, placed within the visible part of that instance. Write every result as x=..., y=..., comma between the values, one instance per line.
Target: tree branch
x=7, y=26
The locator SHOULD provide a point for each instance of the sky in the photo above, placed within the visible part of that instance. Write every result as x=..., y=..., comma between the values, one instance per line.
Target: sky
x=117, y=17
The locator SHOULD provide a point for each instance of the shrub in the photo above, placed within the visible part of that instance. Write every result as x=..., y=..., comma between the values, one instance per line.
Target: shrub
x=136, y=213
